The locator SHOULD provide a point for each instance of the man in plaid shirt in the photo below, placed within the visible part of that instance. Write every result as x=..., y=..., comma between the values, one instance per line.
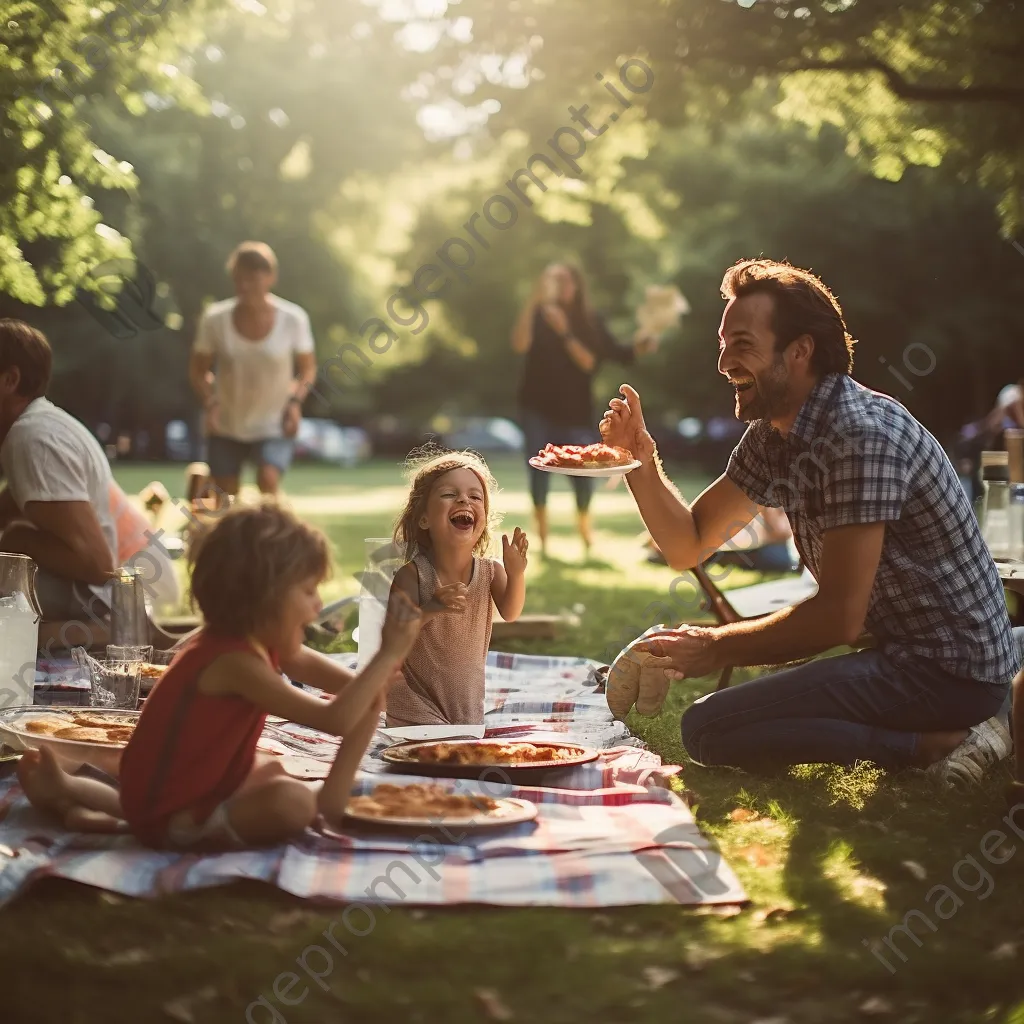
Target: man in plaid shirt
x=880, y=520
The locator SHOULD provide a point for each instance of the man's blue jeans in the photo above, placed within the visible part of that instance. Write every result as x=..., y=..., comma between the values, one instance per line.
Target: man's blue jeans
x=854, y=707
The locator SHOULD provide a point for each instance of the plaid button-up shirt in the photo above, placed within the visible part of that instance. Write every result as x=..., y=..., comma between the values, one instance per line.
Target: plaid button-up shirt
x=857, y=456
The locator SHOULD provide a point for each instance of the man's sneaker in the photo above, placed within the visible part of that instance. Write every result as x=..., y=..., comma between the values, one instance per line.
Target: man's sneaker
x=986, y=744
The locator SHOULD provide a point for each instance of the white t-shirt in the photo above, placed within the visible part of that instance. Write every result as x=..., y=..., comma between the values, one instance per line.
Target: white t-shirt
x=1010, y=394
x=49, y=456
x=253, y=377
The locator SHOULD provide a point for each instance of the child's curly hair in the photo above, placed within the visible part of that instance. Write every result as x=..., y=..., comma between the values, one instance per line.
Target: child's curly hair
x=427, y=465
x=244, y=564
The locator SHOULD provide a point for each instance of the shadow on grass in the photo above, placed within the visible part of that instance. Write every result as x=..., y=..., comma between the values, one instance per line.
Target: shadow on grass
x=841, y=856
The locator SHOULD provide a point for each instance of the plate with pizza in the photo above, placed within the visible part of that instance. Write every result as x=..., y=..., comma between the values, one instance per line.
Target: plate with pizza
x=600, y=460
x=95, y=736
x=427, y=805
x=485, y=758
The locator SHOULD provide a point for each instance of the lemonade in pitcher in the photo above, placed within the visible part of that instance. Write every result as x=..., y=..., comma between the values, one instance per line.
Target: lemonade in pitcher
x=19, y=630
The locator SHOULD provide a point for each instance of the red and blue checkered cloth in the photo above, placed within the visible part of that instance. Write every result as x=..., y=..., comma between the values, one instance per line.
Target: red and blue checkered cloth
x=609, y=833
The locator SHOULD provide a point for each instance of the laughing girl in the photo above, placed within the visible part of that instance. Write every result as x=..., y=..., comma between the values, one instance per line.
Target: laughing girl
x=445, y=530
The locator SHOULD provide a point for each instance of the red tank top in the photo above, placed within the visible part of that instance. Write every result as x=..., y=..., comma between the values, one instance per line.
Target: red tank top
x=189, y=751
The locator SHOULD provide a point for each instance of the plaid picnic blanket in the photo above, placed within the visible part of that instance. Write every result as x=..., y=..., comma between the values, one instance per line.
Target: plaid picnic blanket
x=609, y=833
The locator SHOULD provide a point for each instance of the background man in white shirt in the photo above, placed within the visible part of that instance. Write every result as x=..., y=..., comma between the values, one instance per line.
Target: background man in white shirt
x=253, y=363
x=56, y=505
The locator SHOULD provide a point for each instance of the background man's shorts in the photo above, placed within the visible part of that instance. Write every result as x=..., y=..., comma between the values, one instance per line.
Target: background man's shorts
x=226, y=456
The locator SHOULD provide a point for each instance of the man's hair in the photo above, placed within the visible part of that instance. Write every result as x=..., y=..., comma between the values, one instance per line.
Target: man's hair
x=246, y=562
x=253, y=256
x=802, y=304
x=26, y=348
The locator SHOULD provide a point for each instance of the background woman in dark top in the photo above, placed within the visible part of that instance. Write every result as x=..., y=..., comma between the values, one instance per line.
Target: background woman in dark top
x=564, y=341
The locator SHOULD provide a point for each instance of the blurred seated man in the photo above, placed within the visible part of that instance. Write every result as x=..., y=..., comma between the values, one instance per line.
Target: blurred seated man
x=56, y=505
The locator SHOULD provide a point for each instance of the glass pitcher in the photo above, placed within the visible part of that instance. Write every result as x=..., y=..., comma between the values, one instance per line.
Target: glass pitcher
x=129, y=621
x=383, y=559
x=20, y=616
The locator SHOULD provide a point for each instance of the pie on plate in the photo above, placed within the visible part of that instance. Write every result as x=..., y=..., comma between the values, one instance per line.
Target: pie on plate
x=420, y=799
x=588, y=456
x=440, y=754
x=424, y=804
x=81, y=727
x=493, y=753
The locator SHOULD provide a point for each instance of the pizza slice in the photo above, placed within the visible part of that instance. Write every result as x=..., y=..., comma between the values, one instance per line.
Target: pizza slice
x=588, y=456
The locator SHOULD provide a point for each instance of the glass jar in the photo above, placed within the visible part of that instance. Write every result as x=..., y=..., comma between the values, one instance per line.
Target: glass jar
x=995, y=519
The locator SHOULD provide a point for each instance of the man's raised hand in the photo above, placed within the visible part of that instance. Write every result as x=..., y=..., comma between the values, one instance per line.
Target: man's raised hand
x=623, y=426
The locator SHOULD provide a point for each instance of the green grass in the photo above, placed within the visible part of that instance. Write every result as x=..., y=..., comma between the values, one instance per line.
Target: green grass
x=822, y=854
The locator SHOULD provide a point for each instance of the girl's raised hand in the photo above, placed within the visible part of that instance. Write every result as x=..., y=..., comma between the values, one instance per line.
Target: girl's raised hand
x=401, y=625
x=514, y=552
x=449, y=598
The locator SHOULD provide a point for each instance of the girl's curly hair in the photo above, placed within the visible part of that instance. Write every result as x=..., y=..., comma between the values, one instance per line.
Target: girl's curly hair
x=425, y=467
x=244, y=564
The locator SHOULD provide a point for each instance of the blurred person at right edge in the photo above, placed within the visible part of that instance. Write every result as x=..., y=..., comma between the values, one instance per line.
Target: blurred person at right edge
x=987, y=434
x=564, y=341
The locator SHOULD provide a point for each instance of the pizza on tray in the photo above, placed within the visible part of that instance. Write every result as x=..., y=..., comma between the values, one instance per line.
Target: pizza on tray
x=491, y=753
x=587, y=456
x=420, y=800
x=83, y=727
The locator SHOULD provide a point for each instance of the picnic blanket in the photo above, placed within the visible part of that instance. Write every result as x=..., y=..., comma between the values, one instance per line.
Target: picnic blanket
x=610, y=833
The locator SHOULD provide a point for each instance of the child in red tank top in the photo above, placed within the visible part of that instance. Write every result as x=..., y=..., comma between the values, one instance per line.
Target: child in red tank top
x=188, y=777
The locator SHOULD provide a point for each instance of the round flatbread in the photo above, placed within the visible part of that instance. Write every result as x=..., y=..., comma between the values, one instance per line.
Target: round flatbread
x=637, y=677
x=83, y=733
x=44, y=726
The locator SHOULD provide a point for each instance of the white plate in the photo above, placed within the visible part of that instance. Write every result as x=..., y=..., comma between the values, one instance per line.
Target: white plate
x=510, y=811
x=398, y=733
x=299, y=767
x=106, y=756
x=608, y=471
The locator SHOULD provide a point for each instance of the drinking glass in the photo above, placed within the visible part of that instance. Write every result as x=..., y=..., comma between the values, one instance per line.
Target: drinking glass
x=131, y=652
x=115, y=684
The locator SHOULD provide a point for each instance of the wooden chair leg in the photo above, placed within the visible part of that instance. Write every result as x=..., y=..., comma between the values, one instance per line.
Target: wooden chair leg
x=719, y=604
x=723, y=679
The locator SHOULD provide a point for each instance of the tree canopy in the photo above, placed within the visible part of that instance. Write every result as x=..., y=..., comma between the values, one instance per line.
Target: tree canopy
x=916, y=82
x=875, y=142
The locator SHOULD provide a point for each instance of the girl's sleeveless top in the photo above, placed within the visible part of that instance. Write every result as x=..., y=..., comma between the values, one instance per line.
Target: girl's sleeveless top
x=189, y=751
x=443, y=676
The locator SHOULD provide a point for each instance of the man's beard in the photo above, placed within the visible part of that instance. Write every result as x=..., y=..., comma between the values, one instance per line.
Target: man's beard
x=767, y=396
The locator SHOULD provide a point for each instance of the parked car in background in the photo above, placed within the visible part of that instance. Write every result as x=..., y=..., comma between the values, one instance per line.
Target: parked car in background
x=179, y=442
x=484, y=434
x=391, y=435
x=326, y=441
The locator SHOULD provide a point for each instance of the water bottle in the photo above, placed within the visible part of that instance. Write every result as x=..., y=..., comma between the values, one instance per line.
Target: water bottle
x=995, y=519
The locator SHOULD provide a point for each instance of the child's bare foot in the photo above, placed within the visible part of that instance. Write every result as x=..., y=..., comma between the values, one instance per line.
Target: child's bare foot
x=84, y=819
x=44, y=782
